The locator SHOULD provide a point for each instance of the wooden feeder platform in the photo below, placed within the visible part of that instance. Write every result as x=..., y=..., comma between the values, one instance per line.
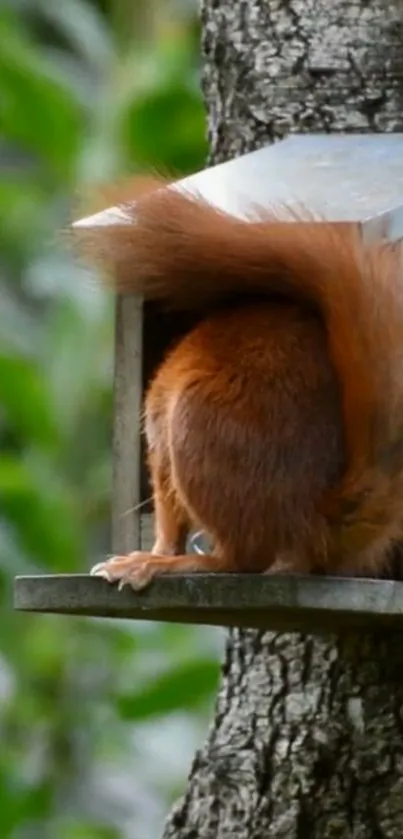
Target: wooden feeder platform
x=351, y=177
x=281, y=603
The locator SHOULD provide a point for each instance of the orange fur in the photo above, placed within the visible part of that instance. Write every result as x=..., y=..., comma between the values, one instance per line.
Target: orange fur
x=277, y=423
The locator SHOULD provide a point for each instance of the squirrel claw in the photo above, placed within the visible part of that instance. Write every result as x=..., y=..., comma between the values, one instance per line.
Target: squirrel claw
x=100, y=570
x=136, y=569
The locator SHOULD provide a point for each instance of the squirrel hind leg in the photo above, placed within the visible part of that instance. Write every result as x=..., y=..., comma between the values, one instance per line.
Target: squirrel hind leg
x=171, y=519
x=235, y=497
x=168, y=555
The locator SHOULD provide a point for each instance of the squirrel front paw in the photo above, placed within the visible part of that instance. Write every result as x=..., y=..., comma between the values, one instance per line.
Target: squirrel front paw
x=137, y=569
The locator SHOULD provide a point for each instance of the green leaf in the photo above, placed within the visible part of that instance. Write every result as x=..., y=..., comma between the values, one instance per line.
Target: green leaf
x=22, y=200
x=184, y=687
x=165, y=129
x=43, y=513
x=83, y=26
x=24, y=401
x=35, y=110
x=77, y=830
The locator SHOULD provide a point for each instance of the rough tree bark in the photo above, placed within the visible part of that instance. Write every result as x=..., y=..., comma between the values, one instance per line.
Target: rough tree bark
x=307, y=740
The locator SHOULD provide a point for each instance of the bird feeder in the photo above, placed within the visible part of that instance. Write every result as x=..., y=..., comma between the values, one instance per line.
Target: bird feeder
x=339, y=178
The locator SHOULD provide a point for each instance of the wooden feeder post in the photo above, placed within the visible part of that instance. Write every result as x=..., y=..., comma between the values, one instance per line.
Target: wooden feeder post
x=339, y=178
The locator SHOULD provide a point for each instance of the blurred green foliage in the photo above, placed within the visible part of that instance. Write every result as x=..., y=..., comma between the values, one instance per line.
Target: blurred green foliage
x=91, y=712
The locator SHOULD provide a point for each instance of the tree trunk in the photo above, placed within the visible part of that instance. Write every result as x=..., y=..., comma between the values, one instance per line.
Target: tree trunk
x=307, y=740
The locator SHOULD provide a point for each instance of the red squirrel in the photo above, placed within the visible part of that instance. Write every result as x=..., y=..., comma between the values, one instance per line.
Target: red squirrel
x=276, y=424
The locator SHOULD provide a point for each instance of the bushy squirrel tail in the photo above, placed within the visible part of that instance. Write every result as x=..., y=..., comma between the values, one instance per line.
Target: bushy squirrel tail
x=179, y=249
